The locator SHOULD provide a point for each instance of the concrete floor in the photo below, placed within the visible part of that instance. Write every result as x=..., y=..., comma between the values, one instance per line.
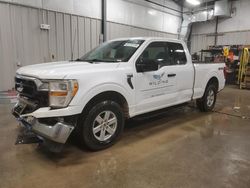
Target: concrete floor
x=179, y=148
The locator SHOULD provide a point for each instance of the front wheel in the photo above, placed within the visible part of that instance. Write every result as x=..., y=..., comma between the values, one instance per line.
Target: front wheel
x=207, y=102
x=102, y=126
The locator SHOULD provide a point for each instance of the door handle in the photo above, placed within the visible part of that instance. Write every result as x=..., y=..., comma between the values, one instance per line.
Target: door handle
x=171, y=75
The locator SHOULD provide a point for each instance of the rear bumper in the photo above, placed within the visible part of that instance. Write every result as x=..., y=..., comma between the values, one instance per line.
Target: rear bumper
x=59, y=132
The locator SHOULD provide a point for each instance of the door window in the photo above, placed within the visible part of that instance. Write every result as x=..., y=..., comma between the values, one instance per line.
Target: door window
x=156, y=51
x=164, y=53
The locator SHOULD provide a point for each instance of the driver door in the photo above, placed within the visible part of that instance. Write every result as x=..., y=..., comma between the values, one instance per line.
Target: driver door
x=157, y=88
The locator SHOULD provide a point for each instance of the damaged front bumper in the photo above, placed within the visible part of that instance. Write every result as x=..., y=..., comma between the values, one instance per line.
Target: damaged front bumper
x=58, y=132
x=56, y=129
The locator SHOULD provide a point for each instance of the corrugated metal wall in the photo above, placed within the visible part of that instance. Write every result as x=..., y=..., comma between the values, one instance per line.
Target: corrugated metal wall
x=199, y=42
x=237, y=37
x=234, y=30
x=23, y=42
x=115, y=30
x=202, y=41
x=140, y=13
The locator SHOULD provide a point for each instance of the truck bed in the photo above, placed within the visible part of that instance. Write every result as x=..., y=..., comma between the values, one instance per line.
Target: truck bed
x=203, y=72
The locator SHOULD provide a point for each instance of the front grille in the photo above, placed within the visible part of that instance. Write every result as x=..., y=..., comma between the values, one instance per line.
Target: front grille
x=27, y=88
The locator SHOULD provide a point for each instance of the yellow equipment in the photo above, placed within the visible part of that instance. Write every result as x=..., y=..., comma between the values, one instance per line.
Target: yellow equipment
x=243, y=67
x=226, y=51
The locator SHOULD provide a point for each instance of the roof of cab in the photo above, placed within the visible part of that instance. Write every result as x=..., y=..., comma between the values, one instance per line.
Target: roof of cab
x=147, y=38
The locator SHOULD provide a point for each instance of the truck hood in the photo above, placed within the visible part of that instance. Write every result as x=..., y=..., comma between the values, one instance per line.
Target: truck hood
x=59, y=70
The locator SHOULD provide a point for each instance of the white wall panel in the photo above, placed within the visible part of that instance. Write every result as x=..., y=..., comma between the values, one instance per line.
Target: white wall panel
x=239, y=20
x=35, y=36
x=93, y=25
x=59, y=36
x=67, y=36
x=43, y=37
x=135, y=14
x=87, y=8
x=17, y=35
x=35, y=3
x=233, y=31
x=235, y=38
x=59, y=5
x=75, y=40
x=171, y=24
x=231, y=38
x=22, y=40
x=87, y=32
x=98, y=31
x=52, y=35
x=80, y=7
x=115, y=30
x=201, y=42
x=203, y=27
x=6, y=46
x=81, y=35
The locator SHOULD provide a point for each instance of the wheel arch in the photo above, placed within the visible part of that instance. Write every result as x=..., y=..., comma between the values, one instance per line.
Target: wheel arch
x=214, y=80
x=108, y=95
x=201, y=102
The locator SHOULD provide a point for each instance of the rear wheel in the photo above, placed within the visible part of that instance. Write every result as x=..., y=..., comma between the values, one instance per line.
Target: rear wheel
x=207, y=102
x=102, y=126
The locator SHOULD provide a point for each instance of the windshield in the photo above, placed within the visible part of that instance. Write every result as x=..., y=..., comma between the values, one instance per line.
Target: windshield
x=114, y=51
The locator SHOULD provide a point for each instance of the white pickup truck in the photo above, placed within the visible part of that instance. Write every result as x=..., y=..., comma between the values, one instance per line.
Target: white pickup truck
x=120, y=79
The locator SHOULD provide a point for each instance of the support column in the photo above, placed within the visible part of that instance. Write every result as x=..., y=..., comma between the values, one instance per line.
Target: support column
x=104, y=21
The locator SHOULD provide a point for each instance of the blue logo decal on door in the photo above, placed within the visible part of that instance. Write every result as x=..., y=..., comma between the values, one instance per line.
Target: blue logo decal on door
x=158, y=76
x=158, y=80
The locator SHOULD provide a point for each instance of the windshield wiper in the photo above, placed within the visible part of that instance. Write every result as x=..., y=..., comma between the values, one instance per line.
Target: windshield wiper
x=78, y=59
x=96, y=60
x=100, y=60
x=82, y=60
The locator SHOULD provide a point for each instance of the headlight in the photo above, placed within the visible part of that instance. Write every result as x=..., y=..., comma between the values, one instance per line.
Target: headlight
x=61, y=92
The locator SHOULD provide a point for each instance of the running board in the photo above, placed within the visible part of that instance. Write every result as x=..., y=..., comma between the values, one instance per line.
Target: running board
x=161, y=111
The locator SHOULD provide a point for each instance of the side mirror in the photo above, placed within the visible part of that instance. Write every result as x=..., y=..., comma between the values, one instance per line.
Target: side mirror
x=146, y=65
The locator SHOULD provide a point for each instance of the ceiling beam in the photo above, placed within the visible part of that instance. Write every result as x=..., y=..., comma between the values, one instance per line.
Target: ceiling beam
x=158, y=4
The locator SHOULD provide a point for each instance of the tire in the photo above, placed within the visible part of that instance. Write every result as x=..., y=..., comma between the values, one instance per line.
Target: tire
x=102, y=126
x=207, y=102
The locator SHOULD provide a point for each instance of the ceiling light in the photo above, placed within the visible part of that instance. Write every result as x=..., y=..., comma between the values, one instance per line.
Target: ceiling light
x=194, y=2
